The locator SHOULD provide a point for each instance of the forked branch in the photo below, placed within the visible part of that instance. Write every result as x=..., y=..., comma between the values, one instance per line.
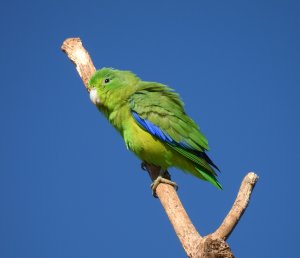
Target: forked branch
x=194, y=245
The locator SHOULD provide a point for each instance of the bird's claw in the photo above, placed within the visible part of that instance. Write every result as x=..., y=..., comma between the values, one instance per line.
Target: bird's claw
x=159, y=180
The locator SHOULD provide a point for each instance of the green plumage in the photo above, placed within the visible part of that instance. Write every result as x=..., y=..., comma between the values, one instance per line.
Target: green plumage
x=151, y=118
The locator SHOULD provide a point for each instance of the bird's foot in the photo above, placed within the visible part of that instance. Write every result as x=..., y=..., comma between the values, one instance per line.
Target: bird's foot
x=163, y=180
x=163, y=177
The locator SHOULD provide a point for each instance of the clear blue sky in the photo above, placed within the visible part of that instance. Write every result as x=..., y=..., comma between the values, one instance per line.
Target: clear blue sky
x=69, y=187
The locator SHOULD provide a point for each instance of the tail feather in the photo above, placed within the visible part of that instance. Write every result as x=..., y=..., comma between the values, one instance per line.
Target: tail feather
x=201, y=163
x=209, y=177
x=208, y=160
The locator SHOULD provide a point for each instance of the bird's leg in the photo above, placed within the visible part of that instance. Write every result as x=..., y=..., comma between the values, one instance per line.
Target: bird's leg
x=164, y=177
x=144, y=166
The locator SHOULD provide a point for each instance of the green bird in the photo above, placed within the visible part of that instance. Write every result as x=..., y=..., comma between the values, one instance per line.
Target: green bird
x=151, y=119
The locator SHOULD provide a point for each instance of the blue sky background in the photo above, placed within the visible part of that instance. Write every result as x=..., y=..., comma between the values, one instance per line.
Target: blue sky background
x=69, y=187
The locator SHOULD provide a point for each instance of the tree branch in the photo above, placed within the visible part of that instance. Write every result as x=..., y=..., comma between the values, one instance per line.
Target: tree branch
x=183, y=226
x=194, y=245
x=80, y=58
x=239, y=206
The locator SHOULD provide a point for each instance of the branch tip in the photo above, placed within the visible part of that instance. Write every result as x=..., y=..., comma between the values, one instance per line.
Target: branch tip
x=238, y=208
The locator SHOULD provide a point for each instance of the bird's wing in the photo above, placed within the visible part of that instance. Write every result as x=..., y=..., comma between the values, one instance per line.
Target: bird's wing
x=159, y=111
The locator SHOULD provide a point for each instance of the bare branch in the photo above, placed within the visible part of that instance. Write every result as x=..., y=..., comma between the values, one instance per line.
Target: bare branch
x=238, y=208
x=183, y=226
x=80, y=57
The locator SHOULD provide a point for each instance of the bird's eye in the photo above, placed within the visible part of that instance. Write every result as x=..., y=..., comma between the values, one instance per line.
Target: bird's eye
x=106, y=80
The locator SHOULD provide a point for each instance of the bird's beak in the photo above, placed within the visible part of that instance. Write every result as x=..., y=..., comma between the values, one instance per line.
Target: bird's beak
x=94, y=97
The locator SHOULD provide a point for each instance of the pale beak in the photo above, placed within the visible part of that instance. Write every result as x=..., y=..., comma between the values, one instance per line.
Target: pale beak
x=94, y=97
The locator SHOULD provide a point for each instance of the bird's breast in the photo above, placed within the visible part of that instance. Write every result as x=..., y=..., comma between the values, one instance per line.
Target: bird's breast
x=145, y=146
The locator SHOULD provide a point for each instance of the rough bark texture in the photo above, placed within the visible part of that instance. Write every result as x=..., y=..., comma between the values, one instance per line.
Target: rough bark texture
x=184, y=228
x=80, y=58
x=195, y=246
x=238, y=208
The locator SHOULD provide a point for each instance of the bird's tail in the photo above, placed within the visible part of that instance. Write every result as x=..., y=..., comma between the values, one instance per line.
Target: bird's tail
x=206, y=171
x=209, y=176
x=199, y=164
x=208, y=160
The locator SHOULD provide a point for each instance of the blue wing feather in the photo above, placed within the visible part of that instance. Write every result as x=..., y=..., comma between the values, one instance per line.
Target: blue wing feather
x=156, y=131
x=165, y=137
x=152, y=129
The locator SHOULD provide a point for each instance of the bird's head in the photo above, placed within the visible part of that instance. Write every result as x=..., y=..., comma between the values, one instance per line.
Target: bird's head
x=110, y=86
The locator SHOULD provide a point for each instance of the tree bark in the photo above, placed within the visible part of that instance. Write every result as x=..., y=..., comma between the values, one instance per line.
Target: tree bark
x=195, y=246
